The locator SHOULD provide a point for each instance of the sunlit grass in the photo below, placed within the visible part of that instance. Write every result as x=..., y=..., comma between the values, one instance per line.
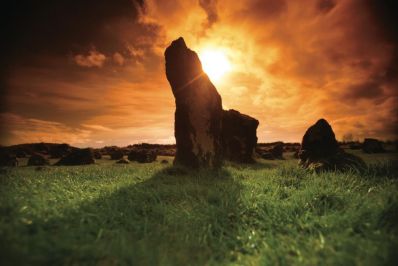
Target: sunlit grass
x=269, y=213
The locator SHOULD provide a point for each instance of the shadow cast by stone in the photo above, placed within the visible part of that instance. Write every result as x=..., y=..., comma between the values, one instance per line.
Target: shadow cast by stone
x=155, y=220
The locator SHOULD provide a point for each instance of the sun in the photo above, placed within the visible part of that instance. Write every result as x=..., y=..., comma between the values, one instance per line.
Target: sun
x=215, y=64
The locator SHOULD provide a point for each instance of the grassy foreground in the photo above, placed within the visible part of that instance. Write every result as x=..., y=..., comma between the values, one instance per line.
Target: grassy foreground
x=270, y=213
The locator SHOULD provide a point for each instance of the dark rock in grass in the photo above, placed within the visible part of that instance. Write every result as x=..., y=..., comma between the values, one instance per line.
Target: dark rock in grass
x=198, y=112
x=38, y=160
x=117, y=155
x=142, y=156
x=97, y=155
x=164, y=162
x=239, y=137
x=277, y=150
x=123, y=161
x=320, y=150
x=59, y=150
x=78, y=157
x=268, y=156
x=8, y=160
x=372, y=146
x=355, y=146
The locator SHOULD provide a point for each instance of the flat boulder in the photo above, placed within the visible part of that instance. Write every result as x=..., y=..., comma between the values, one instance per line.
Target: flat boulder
x=142, y=155
x=78, y=157
x=320, y=151
x=38, y=159
x=239, y=136
x=372, y=146
x=198, y=114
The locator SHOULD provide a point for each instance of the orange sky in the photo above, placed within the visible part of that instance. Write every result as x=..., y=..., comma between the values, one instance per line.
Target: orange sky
x=103, y=83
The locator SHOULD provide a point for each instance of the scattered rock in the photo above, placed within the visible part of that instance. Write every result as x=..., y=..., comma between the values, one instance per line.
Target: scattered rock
x=372, y=146
x=59, y=150
x=8, y=160
x=123, y=161
x=97, y=155
x=38, y=160
x=277, y=150
x=198, y=109
x=142, y=156
x=320, y=150
x=164, y=162
x=267, y=156
x=239, y=138
x=117, y=155
x=78, y=157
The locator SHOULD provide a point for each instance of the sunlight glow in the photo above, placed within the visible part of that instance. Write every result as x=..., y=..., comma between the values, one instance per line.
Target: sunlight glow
x=215, y=64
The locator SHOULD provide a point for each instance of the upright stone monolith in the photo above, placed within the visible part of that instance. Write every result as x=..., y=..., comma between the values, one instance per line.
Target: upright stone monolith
x=239, y=136
x=198, y=112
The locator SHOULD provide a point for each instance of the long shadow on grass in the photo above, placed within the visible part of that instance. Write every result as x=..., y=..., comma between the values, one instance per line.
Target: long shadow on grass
x=176, y=217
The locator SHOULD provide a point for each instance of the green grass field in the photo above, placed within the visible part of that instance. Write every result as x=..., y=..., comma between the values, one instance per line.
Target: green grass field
x=269, y=213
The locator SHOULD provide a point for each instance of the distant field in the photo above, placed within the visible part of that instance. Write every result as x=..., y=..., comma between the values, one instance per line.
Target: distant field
x=269, y=213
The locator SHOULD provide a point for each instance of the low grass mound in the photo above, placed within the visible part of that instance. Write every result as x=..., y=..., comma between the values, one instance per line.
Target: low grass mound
x=153, y=214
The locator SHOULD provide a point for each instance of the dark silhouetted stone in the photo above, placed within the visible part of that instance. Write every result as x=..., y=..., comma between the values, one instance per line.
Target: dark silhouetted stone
x=8, y=160
x=277, y=150
x=372, y=146
x=320, y=150
x=97, y=155
x=198, y=109
x=355, y=146
x=267, y=156
x=38, y=160
x=117, y=155
x=123, y=161
x=59, y=150
x=239, y=138
x=142, y=156
x=78, y=157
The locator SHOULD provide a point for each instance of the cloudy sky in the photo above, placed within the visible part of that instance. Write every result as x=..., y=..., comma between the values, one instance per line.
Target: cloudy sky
x=91, y=73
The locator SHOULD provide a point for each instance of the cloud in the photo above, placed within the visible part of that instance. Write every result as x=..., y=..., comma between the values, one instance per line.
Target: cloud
x=210, y=7
x=97, y=127
x=118, y=59
x=93, y=59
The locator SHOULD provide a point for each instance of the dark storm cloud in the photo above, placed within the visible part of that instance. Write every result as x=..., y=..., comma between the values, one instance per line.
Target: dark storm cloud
x=364, y=90
x=60, y=26
x=210, y=7
x=35, y=28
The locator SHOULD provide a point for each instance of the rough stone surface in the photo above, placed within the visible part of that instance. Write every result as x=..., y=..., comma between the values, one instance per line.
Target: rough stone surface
x=239, y=138
x=117, y=155
x=78, y=157
x=142, y=156
x=198, y=109
x=372, y=146
x=60, y=150
x=320, y=150
x=277, y=150
x=38, y=160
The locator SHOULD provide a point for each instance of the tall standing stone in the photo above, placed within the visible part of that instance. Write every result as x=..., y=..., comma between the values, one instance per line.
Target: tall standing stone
x=198, y=112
